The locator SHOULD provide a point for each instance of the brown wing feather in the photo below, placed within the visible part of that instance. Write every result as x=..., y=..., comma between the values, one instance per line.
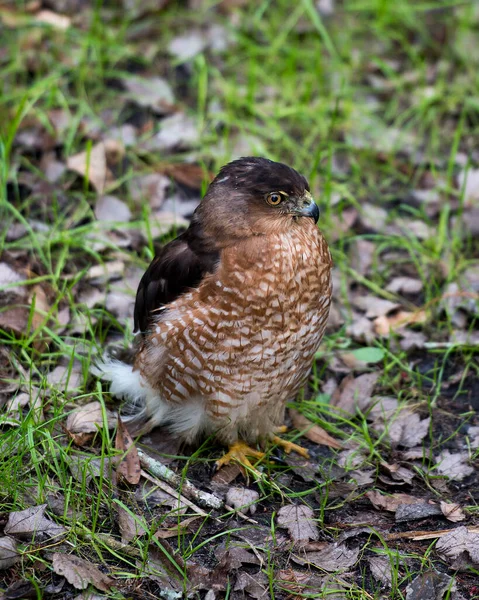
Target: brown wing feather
x=180, y=265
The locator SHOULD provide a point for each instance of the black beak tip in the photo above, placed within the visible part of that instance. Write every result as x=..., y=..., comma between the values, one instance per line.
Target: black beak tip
x=311, y=210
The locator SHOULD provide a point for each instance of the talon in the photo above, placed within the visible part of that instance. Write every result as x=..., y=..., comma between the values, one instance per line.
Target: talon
x=290, y=446
x=281, y=429
x=239, y=452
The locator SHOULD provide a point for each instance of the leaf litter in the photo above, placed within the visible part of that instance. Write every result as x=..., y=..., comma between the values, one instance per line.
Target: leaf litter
x=147, y=163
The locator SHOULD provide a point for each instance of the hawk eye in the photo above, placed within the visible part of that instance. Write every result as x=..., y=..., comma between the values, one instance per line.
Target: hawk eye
x=274, y=198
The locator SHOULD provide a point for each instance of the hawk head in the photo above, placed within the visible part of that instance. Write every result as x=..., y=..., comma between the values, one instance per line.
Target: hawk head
x=255, y=196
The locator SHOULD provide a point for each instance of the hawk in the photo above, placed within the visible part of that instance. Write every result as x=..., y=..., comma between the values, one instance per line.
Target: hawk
x=231, y=313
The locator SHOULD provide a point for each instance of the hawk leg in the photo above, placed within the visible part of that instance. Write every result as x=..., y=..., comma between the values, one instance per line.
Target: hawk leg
x=239, y=452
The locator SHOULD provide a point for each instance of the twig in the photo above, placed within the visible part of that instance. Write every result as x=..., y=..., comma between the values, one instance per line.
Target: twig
x=425, y=535
x=161, y=471
x=174, y=493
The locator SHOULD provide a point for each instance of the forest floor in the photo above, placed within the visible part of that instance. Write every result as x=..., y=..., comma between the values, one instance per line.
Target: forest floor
x=114, y=117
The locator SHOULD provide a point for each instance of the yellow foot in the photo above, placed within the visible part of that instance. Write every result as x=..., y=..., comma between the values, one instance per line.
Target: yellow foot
x=290, y=446
x=239, y=452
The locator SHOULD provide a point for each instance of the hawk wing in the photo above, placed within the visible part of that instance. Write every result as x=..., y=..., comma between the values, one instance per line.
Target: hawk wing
x=180, y=266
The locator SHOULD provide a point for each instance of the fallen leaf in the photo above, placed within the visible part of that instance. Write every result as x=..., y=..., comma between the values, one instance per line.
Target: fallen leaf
x=404, y=285
x=383, y=407
x=129, y=467
x=412, y=340
x=313, y=432
x=375, y=307
x=110, y=208
x=226, y=474
x=92, y=165
x=469, y=181
x=373, y=217
x=187, y=174
x=9, y=555
x=453, y=512
x=332, y=558
x=130, y=528
x=300, y=582
x=100, y=274
x=381, y=569
x=407, y=428
x=178, y=131
x=8, y=278
x=150, y=188
x=391, y=502
x=298, y=520
x=398, y=473
x=88, y=419
x=187, y=46
x=242, y=499
x=360, y=329
x=67, y=378
x=457, y=545
x=31, y=524
x=153, y=92
x=354, y=394
x=455, y=466
x=361, y=255
x=431, y=586
x=79, y=572
x=384, y=325
x=55, y=20
x=254, y=585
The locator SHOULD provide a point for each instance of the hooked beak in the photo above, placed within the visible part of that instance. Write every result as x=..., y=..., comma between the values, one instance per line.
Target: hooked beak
x=310, y=208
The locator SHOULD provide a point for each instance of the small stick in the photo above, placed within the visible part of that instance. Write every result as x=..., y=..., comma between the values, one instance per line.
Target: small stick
x=174, y=493
x=161, y=471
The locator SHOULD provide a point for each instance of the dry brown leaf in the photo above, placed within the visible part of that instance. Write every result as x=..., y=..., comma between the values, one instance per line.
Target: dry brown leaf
x=457, y=544
x=298, y=520
x=129, y=467
x=153, y=92
x=242, y=499
x=178, y=131
x=355, y=393
x=375, y=307
x=381, y=569
x=9, y=555
x=179, y=528
x=404, y=285
x=384, y=325
x=88, y=418
x=80, y=573
x=407, y=429
x=453, y=512
x=398, y=473
x=332, y=558
x=150, y=188
x=361, y=255
x=93, y=166
x=187, y=174
x=455, y=466
x=32, y=524
x=52, y=18
x=431, y=585
x=313, y=432
x=130, y=528
x=392, y=502
x=468, y=179
x=110, y=208
x=227, y=474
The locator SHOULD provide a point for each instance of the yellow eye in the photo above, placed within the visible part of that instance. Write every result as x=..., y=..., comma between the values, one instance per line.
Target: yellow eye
x=274, y=198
